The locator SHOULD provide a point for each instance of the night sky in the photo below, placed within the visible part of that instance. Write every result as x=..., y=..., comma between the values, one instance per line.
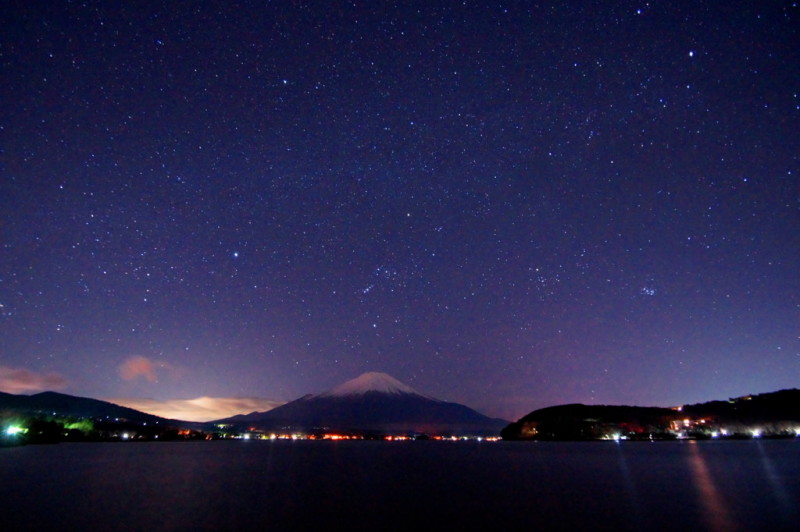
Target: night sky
x=509, y=205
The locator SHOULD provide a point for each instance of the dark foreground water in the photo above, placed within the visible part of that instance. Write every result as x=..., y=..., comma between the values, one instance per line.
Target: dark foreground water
x=248, y=485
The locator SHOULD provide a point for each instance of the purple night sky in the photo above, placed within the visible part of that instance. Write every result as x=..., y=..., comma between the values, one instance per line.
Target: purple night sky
x=509, y=205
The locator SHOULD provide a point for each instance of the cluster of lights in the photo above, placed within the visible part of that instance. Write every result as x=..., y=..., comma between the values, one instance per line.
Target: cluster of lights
x=337, y=437
x=260, y=436
x=333, y=436
x=756, y=432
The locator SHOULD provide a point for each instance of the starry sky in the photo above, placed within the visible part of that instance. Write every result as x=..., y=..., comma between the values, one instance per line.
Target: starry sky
x=505, y=204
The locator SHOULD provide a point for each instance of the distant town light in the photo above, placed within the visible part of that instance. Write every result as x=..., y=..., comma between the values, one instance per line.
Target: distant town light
x=14, y=430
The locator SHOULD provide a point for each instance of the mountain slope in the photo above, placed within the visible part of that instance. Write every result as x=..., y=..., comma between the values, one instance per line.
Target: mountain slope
x=775, y=412
x=373, y=402
x=59, y=404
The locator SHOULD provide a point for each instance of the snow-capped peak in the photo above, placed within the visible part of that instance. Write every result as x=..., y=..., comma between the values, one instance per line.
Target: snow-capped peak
x=372, y=381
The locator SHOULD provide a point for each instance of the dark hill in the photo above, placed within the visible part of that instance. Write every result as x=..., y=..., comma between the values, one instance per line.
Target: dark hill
x=777, y=411
x=59, y=404
x=783, y=405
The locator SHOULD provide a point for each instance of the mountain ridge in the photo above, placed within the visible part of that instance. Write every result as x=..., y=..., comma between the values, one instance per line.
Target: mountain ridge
x=376, y=403
x=372, y=402
x=61, y=404
x=776, y=413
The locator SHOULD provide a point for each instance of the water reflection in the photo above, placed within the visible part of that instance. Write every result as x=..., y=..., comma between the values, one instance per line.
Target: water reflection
x=630, y=488
x=775, y=480
x=715, y=511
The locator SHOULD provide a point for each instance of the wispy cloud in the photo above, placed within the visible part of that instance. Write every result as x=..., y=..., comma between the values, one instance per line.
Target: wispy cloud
x=200, y=409
x=18, y=380
x=138, y=366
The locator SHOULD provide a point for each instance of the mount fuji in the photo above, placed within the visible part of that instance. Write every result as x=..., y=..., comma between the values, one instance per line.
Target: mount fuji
x=376, y=403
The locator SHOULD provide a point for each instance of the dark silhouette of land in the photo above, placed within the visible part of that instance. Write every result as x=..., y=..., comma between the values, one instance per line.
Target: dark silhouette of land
x=775, y=414
x=373, y=403
x=51, y=417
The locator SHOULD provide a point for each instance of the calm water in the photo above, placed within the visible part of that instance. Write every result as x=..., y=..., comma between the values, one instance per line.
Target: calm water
x=744, y=485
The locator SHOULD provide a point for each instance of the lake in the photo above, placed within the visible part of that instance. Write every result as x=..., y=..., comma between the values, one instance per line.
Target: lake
x=292, y=485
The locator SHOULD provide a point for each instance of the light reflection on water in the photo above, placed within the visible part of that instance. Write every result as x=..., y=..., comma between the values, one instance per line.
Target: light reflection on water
x=630, y=488
x=775, y=480
x=368, y=485
x=716, y=513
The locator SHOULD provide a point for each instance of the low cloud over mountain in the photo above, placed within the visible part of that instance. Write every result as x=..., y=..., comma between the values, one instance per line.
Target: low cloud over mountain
x=19, y=380
x=199, y=409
